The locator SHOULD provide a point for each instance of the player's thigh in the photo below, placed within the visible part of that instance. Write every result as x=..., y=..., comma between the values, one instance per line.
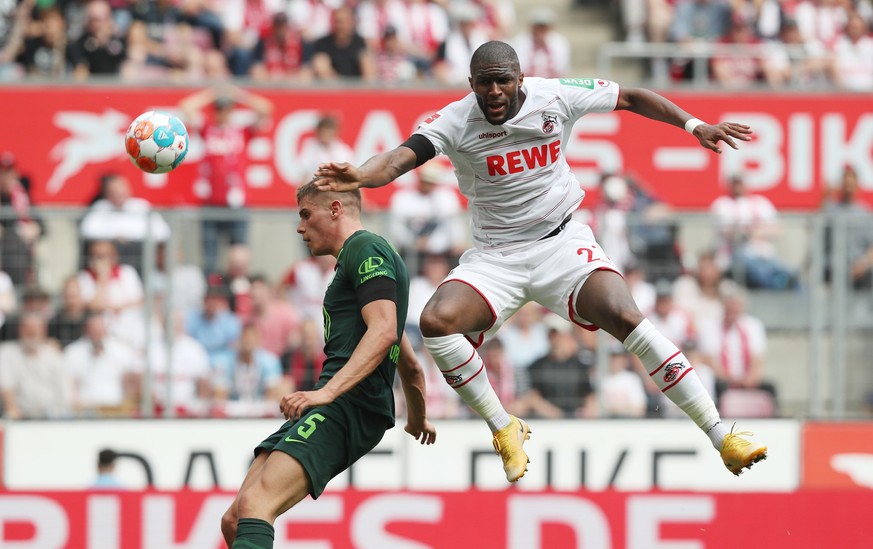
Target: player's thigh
x=279, y=485
x=606, y=301
x=562, y=267
x=327, y=439
x=477, y=296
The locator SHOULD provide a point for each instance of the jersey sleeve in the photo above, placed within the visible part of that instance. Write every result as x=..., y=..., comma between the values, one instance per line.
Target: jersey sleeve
x=370, y=260
x=439, y=127
x=585, y=95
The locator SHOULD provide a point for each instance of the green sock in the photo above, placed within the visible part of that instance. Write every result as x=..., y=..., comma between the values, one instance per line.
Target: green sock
x=253, y=534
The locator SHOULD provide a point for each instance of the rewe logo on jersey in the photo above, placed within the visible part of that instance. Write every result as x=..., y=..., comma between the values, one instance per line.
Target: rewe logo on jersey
x=525, y=159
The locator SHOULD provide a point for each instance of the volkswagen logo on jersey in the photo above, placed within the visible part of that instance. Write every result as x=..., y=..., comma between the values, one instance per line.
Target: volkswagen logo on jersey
x=549, y=122
x=671, y=372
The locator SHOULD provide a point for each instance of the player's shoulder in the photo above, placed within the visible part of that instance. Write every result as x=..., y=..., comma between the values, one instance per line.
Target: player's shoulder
x=456, y=113
x=365, y=242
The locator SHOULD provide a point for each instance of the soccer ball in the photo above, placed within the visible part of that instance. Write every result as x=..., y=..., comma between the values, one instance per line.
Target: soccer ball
x=156, y=142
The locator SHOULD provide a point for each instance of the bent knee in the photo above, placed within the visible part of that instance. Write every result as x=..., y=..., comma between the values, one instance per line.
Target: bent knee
x=434, y=322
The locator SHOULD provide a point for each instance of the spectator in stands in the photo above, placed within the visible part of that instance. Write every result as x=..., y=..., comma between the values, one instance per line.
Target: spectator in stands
x=105, y=372
x=622, y=391
x=245, y=22
x=732, y=71
x=312, y=17
x=560, y=382
x=739, y=347
x=322, y=147
x=102, y=49
x=34, y=383
x=304, y=357
x=125, y=220
x=183, y=284
x=542, y=50
x=250, y=377
x=696, y=22
x=675, y=323
x=500, y=371
x=498, y=17
x=162, y=43
x=782, y=69
x=106, y=479
x=375, y=17
x=306, y=282
x=343, y=53
x=748, y=225
x=68, y=323
x=393, y=64
x=452, y=66
x=281, y=54
x=222, y=167
x=852, y=64
x=44, y=54
x=107, y=285
x=20, y=230
x=276, y=319
x=14, y=20
x=8, y=298
x=641, y=289
x=434, y=269
x=187, y=385
x=33, y=300
x=844, y=203
x=215, y=326
x=426, y=218
x=424, y=32
x=699, y=291
x=525, y=339
x=237, y=280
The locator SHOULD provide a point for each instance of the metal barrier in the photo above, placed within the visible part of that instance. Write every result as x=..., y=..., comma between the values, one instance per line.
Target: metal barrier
x=819, y=331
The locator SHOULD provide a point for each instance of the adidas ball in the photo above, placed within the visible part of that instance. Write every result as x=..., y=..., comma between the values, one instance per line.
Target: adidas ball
x=156, y=142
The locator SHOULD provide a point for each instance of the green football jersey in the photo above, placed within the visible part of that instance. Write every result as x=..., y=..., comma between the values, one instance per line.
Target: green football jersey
x=363, y=257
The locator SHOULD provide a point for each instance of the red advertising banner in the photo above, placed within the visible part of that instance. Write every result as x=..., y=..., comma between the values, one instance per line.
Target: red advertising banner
x=65, y=137
x=508, y=519
x=838, y=455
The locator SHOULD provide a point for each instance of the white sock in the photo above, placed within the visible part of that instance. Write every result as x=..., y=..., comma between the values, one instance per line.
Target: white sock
x=673, y=374
x=464, y=371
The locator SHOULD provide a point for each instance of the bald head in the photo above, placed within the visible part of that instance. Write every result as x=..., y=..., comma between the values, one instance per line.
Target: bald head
x=494, y=53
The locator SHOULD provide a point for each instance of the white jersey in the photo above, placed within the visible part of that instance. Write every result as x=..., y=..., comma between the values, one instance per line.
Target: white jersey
x=515, y=176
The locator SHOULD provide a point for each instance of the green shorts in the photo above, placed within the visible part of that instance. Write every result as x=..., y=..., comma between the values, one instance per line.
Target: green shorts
x=327, y=440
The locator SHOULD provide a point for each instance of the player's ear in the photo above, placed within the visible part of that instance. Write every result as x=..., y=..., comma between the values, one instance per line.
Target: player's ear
x=470, y=80
x=336, y=208
x=520, y=78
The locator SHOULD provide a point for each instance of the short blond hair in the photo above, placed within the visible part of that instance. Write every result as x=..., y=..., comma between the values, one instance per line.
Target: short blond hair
x=349, y=199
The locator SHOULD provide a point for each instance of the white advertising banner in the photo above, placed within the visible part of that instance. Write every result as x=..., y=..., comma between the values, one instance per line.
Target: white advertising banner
x=565, y=455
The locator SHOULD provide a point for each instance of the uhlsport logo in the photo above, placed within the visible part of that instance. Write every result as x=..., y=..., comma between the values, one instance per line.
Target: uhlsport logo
x=549, y=122
x=671, y=372
x=370, y=264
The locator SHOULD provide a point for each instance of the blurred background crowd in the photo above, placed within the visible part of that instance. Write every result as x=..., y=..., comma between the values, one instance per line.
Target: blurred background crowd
x=768, y=43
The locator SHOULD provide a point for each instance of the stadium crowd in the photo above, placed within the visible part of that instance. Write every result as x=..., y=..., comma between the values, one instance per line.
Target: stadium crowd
x=801, y=42
x=229, y=341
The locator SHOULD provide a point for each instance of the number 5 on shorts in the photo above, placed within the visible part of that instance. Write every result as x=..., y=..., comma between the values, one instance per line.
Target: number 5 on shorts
x=306, y=430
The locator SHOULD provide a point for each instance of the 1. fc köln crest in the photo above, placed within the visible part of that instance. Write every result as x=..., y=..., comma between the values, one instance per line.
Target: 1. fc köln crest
x=549, y=122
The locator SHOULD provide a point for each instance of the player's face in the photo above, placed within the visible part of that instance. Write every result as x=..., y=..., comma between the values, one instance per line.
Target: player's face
x=498, y=91
x=315, y=226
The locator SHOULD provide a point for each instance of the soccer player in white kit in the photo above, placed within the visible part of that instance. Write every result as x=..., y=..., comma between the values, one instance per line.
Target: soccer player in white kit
x=506, y=141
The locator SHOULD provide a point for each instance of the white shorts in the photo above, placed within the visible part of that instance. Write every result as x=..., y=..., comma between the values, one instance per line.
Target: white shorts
x=550, y=272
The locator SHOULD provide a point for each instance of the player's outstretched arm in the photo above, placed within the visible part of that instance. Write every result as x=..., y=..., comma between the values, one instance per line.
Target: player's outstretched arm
x=657, y=107
x=380, y=316
x=375, y=172
x=412, y=381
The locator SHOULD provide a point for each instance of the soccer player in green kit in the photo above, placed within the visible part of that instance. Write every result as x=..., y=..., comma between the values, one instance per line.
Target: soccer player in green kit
x=346, y=415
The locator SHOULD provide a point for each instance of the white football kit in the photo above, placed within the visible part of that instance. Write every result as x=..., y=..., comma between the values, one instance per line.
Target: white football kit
x=520, y=191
